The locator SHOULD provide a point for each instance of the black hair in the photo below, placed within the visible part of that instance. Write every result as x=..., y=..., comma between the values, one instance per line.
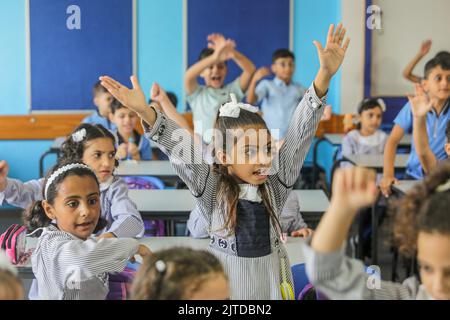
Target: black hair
x=367, y=104
x=72, y=150
x=35, y=217
x=439, y=61
x=172, y=97
x=228, y=188
x=443, y=55
x=282, y=53
x=98, y=88
x=116, y=105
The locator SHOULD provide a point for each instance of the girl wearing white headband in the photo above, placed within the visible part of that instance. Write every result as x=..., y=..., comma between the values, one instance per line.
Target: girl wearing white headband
x=94, y=146
x=68, y=263
x=240, y=201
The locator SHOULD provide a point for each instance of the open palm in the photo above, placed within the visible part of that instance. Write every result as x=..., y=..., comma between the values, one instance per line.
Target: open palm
x=333, y=54
x=133, y=99
x=420, y=102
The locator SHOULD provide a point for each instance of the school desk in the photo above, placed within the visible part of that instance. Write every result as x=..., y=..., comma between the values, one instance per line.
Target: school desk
x=376, y=161
x=157, y=168
x=157, y=243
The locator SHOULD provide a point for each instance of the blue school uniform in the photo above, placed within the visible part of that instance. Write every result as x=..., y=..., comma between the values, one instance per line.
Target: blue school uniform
x=278, y=102
x=144, y=146
x=436, y=125
x=96, y=118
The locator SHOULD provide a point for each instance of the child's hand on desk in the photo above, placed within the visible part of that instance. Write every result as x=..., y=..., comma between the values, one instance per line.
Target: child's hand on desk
x=4, y=170
x=385, y=185
x=421, y=104
x=303, y=233
x=121, y=152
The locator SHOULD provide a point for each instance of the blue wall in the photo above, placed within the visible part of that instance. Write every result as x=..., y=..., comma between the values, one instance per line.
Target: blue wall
x=160, y=58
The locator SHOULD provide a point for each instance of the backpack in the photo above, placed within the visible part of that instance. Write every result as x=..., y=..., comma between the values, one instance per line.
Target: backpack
x=13, y=242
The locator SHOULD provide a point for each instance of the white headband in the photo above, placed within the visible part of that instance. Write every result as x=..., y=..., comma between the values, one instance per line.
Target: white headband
x=233, y=108
x=61, y=171
x=5, y=264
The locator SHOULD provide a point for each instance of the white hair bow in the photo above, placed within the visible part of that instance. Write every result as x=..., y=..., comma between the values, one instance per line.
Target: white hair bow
x=79, y=135
x=233, y=108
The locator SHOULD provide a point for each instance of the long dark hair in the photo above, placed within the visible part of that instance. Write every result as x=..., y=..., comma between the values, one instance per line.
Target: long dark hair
x=228, y=188
x=35, y=217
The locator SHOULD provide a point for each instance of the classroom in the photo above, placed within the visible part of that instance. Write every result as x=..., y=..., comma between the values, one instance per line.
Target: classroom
x=224, y=150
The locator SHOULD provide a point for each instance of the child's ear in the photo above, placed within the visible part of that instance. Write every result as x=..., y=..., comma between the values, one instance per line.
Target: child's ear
x=111, y=117
x=273, y=68
x=95, y=101
x=222, y=157
x=49, y=210
x=424, y=84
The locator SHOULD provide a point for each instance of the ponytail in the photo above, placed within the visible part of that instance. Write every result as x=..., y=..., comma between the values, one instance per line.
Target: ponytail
x=35, y=217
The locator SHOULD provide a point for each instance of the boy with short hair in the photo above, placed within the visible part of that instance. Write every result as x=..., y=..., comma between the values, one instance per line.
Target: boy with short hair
x=102, y=100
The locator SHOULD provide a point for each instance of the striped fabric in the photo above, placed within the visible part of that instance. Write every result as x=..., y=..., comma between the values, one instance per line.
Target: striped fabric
x=118, y=209
x=342, y=278
x=68, y=268
x=250, y=278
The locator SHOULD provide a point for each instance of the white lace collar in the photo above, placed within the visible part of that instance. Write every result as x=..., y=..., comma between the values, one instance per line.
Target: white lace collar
x=105, y=185
x=249, y=192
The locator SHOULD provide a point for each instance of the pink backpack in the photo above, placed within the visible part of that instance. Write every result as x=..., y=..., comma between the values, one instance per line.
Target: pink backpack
x=12, y=241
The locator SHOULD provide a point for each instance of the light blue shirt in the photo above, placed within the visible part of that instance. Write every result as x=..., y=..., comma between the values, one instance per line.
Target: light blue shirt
x=436, y=126
x=96, y=118
x=205, y=103
x=278, y=102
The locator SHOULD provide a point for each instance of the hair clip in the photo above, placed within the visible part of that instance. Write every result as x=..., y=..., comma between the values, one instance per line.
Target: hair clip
x=233, y=108
x=79, y=135
x=160, y=266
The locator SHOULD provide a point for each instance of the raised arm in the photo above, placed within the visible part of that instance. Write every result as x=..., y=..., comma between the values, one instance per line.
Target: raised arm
x=185, y=155
x=408, y=72
x=248, y=68
x=307, y=115
x=420, y=106
x=252, y=96
x=223, y=51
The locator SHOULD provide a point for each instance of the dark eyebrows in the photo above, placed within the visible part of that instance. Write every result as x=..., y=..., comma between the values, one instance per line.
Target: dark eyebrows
x=75, y=197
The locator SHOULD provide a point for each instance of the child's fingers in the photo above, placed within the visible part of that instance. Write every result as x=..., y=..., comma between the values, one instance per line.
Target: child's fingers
x=110, y=80
x=341, y=36
x=135, y=82
x=318, y=46
x=337, y=33
x=330, y=33
x=346, y=44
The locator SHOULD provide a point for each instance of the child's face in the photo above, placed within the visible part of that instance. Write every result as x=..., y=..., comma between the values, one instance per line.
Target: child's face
x=125, y=120
x=250, y=157
x=371, y=120
x=214, y=75
x=99, y=155
x=214, y=288
x=433, y=254
x=447, y=149
x=76, y=208
x=284, y=68
x=437, y=84
x=102, y=101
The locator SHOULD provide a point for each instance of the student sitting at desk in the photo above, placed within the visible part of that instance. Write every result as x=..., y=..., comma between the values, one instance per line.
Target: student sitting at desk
x=420, y=106
x=102, y=101
x=367, y=138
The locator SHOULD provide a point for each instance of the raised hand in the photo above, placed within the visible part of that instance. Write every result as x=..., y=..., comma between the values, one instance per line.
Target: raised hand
x=304, y=233
x=4, y=170
x=421, y=104
x=332, y=56
x=223, y=48
x=157, y=93
x=425, y=47
x=133, y=99
x=261, y=73
x=353, y=189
